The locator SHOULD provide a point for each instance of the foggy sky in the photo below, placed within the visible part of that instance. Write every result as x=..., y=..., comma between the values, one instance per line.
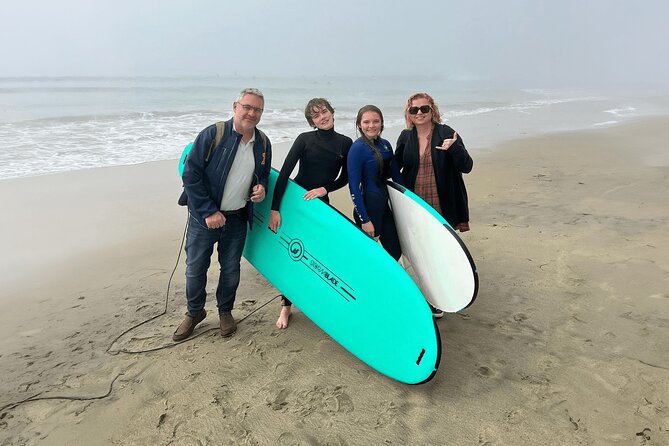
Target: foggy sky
x=519, y=42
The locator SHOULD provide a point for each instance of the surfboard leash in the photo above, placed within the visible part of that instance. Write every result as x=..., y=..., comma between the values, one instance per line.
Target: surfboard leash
x=167, y=296
x=164, y=312
x=38, y=397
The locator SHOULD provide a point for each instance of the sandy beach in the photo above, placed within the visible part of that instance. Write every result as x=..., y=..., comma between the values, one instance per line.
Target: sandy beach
x=566, y=343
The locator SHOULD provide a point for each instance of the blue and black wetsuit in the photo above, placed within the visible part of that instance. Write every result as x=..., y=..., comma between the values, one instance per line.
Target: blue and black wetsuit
x=367, y=183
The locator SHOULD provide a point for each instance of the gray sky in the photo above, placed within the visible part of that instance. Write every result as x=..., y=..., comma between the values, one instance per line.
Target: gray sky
x=565, y=43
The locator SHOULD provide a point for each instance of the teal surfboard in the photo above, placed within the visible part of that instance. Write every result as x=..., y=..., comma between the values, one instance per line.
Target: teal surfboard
x=182, y=160
x=346, y=284
x=445, y=269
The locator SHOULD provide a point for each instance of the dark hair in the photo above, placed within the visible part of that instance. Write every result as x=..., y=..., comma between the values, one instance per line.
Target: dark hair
x=316, y=103
x=363, y=110
x=369, y=142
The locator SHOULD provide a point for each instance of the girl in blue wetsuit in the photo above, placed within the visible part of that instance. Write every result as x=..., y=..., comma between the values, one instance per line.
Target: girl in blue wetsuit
x=370, y=163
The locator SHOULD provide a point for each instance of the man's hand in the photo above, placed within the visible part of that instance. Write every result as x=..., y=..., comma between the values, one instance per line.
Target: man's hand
x=258, y=194
x=215, y=220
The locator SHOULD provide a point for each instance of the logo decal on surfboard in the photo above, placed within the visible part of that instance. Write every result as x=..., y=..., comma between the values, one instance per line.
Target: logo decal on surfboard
x=296, y=250
x=297, y=253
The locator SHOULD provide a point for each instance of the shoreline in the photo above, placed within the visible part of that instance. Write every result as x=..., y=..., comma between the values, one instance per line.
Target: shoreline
x=486, y=142
x=564, y=344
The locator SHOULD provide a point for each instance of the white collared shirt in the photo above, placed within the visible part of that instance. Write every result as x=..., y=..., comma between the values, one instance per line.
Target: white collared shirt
x=240, y=177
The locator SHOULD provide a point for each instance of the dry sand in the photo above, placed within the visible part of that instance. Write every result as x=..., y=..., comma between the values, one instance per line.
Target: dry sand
x=566, y=343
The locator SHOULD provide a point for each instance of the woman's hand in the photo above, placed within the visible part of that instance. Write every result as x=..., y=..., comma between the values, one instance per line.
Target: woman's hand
x=368, y=228
x=315, y=193
x=448, y=142
x=274, y=221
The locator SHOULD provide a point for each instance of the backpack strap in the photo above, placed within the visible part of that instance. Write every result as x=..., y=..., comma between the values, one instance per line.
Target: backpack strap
x=220, y=134
x=264, y=139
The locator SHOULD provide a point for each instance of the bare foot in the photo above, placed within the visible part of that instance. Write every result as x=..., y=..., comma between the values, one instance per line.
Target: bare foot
x=282, y=322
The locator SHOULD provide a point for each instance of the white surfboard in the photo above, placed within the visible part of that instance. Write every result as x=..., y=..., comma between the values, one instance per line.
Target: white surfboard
x=445, y=270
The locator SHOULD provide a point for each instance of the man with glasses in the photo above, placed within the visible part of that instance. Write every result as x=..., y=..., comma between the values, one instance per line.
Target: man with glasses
x=222, y=182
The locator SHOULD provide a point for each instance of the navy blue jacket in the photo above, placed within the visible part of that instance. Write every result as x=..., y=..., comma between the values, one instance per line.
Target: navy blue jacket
x=204, y=182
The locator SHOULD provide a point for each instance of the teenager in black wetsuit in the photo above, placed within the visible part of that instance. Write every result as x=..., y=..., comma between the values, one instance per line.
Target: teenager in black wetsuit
x=322, y=156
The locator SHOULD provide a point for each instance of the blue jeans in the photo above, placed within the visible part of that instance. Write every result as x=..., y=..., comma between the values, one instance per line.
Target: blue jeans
x=200, y=243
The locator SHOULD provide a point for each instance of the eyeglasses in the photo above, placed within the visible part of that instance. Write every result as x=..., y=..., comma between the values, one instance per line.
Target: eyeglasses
x=422, y=109
x=248, y=108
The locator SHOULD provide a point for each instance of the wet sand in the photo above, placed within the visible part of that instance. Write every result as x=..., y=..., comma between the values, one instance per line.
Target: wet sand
x=566, y=343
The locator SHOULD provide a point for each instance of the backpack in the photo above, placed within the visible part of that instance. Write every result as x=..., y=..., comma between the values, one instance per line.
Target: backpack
x=220, y=134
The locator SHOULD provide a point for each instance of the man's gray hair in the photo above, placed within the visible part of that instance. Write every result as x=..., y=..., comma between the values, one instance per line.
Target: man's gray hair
x=253, y=91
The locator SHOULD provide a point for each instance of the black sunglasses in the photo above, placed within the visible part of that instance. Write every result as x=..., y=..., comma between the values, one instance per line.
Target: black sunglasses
x=422, y=108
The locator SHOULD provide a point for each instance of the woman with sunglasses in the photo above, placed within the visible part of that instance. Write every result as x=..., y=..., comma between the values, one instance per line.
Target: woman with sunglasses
x=322, y=157
x=432, y=158
x=370, y=163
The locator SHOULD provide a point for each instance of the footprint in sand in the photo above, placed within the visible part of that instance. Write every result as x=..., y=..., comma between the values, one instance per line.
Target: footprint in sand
x=242, y=412
x=660, y=296
x=222, y=396
x=324, y=401
x=485, y=371
x=278, y=401
x=387, y=413
x=287, y=439
x=520, y=317
x=514, y=416
x=644, y=436
x=483, y=441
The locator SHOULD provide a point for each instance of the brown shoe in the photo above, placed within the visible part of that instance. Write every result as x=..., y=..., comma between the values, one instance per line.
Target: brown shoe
x=185, y=329
x=228, y=325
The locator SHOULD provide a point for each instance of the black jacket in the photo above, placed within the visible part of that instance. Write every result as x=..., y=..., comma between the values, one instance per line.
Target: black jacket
x=449, y=165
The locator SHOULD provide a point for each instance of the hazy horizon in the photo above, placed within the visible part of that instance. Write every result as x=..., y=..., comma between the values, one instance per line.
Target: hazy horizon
x=608, y=44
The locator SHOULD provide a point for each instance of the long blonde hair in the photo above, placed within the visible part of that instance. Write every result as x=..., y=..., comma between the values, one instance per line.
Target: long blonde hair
x=436, y=115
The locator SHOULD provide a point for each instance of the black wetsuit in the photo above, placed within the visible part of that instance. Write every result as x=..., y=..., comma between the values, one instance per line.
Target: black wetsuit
x=322, y=156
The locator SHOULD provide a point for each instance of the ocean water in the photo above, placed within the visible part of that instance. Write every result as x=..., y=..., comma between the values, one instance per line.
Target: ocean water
x=52, y=125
